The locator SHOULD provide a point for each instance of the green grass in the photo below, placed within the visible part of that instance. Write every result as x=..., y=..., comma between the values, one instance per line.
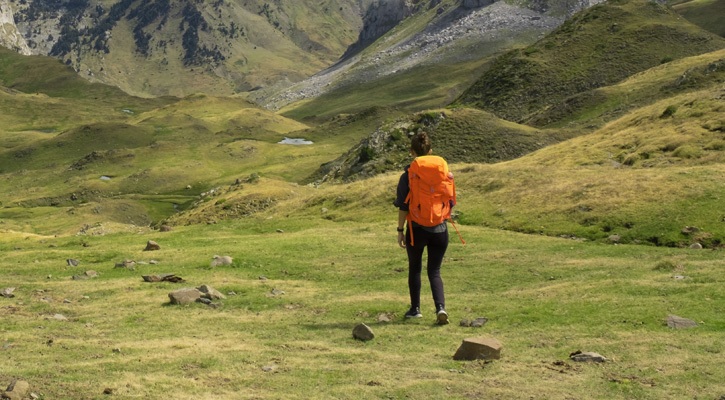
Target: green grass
x=597, y=47
x=544, y=298
x=416, y=89
x=704, y=13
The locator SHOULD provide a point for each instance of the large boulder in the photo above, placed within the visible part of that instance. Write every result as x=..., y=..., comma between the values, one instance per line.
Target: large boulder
x=17, y=390
x=478, y=349
x=363, y=332
x=184, y=296
x=210, y=293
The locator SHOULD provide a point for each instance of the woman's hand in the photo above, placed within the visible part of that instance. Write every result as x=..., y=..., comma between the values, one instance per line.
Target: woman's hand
x=401, y=239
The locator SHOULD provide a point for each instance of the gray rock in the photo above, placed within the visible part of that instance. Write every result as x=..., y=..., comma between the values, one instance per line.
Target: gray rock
x=615, y=238
x=675, y=322
x=363, y=332
x=128, y=264
x=59, y=317
x=203, y=300
x=210, y=293
x=384, y=318
x=465, y=322
x=696, y=246
x=184, y=296
x=587, y=357
x=17, y=390
x=7, y=292
x=689, y=230
x=221, y=260
x=80, y=277
x=277, y=292
x=478, y=349
x=72, y=262
x=91, y=273
x=152, y=246
x=269, y=368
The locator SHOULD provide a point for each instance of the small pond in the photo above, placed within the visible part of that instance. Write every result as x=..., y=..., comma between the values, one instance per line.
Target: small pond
x=295, y=141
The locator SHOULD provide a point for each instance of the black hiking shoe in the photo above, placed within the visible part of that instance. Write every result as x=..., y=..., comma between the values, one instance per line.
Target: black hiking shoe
x=442, y=317
x=414, y=312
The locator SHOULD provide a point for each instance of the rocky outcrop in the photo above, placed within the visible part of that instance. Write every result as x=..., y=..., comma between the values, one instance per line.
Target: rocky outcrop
x=381, y=17
x=9, y=35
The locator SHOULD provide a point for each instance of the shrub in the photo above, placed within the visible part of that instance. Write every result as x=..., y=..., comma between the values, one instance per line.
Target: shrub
x=687, y=151
x=669, y=112
x=716, y=145
x=646, y=152
x=631, y=159
x=367, y=153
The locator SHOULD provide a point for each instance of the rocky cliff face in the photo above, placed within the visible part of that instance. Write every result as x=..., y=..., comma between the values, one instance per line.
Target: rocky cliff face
x=9, y=35
x=453, y=31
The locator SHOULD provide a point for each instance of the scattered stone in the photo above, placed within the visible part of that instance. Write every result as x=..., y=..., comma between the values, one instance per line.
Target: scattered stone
x=615, y=238
x=232, y=293
x=152, y=246
x=384, y=318
x=72, y=262
x=203, y=300
x=59, y=317
x=66, y=301
x=188, y=187
x=86, y=275
x=269, y=368
x=696, y=246
x=47, y=299
x=34, y=396
x=163, y=278
x=128, y=264
x=280, y=231
x=262, y=278
x=679, y=277
x=363, y=332
x=184, y=296
x=210, y=293
x=277, y=292
x=108, y=391
x=689, y=230
x=465, y=322
x=221, y=260
x=675, y=322
x=215, y=305
x=166, y=228
x=116, y=350
x=153, y=262
x=7, y=292
x=479, y=322
x=578, y=356
x=17, y=390
x=478, y=349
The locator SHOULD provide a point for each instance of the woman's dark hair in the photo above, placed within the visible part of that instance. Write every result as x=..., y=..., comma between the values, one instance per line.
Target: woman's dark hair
x=420, y=144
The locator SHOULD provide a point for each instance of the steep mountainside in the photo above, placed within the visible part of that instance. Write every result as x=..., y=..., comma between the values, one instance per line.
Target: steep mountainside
x=161, y=47
x=597, y=47
x=431, y=34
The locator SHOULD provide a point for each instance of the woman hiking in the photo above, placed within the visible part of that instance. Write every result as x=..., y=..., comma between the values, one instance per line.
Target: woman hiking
x=422, y=231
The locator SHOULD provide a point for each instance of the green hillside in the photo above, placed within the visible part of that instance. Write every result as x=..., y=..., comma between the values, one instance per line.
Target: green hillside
x=707, y=14
x=597, y=47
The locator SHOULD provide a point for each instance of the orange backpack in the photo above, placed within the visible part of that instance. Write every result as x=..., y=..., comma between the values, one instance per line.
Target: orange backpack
x=432, y=192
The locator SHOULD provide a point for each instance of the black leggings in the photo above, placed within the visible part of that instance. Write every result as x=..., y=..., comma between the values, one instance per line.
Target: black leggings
x=437, y=244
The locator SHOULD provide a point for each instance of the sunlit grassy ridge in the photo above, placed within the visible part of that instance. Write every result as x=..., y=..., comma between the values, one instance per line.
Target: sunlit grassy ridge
x=597, y=47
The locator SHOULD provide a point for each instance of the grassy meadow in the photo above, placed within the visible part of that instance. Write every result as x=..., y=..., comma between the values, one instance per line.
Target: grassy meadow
x=581, y=244
x=544, y=297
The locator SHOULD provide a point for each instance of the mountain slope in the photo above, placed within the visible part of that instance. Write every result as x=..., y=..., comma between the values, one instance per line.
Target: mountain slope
x=177, y=47
x=597, y=47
